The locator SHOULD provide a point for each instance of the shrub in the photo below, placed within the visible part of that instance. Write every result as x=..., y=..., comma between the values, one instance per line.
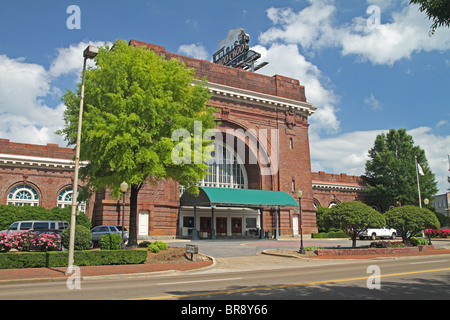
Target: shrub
x=153, y=248
x=83, y=238
x=418, y=241
x=144, y=244
x=10, y=214
x=55, y=259
x=157, y=246
x=110, y=241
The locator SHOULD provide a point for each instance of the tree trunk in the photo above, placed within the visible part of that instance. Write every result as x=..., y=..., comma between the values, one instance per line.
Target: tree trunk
x=132, y=232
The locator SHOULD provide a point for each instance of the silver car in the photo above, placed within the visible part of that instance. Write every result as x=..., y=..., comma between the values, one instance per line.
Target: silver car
x=98, y=231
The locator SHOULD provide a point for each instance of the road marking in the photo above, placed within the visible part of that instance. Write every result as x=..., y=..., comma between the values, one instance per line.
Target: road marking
x=436, y=261
x=197, y=281
x=283, y=286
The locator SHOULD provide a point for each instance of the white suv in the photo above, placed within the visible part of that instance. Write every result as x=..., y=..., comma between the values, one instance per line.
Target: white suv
x=381, y=233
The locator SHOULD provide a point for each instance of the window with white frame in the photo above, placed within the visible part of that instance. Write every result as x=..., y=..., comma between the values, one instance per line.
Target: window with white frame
x=65, y=200
x=23, y=195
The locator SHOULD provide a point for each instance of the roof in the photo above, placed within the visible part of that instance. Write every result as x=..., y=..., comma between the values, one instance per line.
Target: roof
x=237, y=198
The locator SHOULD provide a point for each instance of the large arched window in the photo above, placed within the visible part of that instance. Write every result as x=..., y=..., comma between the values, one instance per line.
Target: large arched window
x=225, y=170
x=23, y=195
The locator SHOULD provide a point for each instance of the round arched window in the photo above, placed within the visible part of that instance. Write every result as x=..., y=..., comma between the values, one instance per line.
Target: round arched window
x=65, y=198
x=23, y=195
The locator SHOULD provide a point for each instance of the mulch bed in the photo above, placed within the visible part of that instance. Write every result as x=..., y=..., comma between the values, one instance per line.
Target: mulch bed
x=312, y=255
x=175, y=255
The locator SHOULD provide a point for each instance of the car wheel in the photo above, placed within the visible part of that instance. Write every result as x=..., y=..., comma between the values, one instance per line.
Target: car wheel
x=373, y=236
x=393, y=236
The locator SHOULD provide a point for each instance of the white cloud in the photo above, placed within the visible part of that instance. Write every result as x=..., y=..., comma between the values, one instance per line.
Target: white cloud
x=70, y=60
x=348, y=153
x=373, y=102
x=24, y=115
x=285, y=59
x=437, y=148
x=194, y=50
x=315, y=27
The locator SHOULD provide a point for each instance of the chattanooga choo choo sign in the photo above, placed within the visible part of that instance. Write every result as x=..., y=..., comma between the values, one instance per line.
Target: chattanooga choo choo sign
x=235, y=51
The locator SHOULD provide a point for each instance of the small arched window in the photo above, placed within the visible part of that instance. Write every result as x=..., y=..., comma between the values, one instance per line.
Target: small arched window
x=23, y=195
x=65, y=198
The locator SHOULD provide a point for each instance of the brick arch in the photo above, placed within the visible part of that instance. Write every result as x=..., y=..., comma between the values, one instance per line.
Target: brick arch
x=27, y=183
x=233, y=133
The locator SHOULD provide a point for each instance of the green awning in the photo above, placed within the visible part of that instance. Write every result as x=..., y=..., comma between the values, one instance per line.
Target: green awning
x=237, y=198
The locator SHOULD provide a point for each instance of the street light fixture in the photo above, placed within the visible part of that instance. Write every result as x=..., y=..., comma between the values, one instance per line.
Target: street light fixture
x=123, y=188
x=299, y=196
x=426, y=202
x=89, y=53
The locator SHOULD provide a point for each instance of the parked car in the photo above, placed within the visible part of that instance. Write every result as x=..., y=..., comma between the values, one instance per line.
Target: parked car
x=20, y=226
x=98, y=231
x=125, y=232
x=373, y=233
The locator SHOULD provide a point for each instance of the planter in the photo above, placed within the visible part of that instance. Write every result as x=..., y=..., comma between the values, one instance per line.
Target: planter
x=370, y=251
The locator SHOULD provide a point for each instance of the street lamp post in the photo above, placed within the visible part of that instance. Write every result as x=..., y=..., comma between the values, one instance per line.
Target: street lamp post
x=89, y=53
x=426, y=202
x=123, y=188
x=299, y=196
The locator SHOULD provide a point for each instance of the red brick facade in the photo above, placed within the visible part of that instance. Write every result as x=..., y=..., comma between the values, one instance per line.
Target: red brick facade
x=245, y=101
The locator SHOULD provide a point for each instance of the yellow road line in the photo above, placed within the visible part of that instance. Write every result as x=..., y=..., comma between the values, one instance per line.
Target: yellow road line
x=285, y=286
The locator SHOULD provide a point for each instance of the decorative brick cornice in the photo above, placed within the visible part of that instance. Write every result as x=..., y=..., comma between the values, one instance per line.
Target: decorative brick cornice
x=37, y=162
x=349, y=187
x=261, y=99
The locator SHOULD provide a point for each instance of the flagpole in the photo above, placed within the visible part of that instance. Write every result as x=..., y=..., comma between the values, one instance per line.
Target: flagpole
x=418, y=184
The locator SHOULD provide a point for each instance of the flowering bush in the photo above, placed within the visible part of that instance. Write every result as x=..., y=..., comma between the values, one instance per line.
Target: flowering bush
x=441, y=233
x=6, y=242
x=48, y=242
x=27, y=240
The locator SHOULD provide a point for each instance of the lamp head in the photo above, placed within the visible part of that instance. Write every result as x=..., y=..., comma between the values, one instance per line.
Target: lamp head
x=299, y=193
x=124, y=186
x=90, y=52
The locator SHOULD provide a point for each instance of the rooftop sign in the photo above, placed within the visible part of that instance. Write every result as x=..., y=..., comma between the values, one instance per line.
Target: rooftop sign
x=235, y=51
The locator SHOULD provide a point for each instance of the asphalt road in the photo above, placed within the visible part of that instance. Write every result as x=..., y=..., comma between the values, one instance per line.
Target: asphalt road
x=262, y=278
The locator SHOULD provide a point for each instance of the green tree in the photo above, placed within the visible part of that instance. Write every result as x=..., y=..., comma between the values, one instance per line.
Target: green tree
x=410, y=220
x=391, y=171
x=437, y=10
x=352, y=218
x=134, y=100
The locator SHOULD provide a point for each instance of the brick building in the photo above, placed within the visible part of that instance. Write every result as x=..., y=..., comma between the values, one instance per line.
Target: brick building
x=262, y=136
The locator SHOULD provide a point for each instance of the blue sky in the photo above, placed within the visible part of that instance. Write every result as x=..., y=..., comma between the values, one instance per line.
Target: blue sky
x=364, y=80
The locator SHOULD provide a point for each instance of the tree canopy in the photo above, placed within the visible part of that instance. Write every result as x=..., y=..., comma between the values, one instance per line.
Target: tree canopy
x=410, y=220
x=352, y=218
x=437, y=10
x=391, y=171
x=134, y=101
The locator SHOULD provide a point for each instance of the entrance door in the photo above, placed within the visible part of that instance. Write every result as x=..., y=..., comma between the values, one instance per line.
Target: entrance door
x=143, y=223
x=295, y=225
x=221, y=226
x=205, y=227
x=236, y=226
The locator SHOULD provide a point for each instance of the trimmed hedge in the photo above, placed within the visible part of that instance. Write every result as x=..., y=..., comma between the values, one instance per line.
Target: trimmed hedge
x=54, y=259
x=332, y=234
